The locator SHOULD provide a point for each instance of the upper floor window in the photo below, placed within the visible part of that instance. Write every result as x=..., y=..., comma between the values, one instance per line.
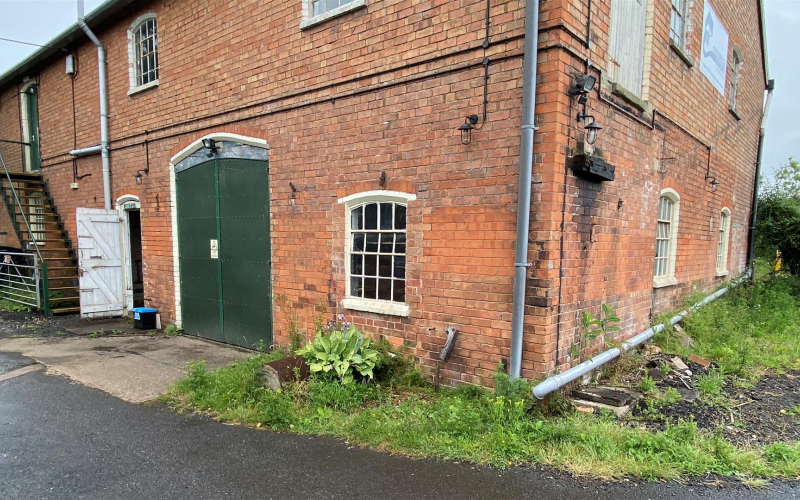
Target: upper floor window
x=626, y=44
x=736, y=73
x=375, y=252
x=722, y=242
x=666, y=238
x=318, y=11
x=677, y=25
x=143, y=53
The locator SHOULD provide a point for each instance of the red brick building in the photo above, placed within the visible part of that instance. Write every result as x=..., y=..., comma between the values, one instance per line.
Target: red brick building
x=339, y=182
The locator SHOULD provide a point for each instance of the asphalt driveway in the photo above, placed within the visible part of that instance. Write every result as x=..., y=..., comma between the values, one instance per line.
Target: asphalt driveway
x=61, y=440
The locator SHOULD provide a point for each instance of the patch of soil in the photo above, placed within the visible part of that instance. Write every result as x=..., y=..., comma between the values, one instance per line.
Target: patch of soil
x=756, y=416
x=32, y=324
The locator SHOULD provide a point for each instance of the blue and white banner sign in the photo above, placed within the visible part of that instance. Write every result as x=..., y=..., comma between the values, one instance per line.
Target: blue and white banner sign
x=714, y=52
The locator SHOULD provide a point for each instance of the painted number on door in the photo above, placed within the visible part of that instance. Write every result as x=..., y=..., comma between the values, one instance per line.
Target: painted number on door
x=214, y=249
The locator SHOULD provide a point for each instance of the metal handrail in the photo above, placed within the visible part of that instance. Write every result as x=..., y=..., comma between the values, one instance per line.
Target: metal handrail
x=45, y=302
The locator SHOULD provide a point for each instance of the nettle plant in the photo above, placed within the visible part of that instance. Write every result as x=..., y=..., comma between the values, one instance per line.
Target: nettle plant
x=595, y=327
x=342, y=353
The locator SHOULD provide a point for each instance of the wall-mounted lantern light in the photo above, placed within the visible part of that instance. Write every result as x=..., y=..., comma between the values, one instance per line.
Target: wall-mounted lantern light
x=591, y=128
x=211, y=146
x=138, y=175
x=467, y=127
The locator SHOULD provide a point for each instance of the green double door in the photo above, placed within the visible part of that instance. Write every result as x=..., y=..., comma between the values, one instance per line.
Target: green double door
x=224, y=249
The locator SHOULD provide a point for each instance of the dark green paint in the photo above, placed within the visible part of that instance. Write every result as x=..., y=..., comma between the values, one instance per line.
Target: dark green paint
x=33, y=126
x=229, y=298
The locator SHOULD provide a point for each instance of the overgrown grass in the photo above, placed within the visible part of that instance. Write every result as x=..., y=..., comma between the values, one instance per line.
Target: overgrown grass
x=469, y=423
x=754, y=328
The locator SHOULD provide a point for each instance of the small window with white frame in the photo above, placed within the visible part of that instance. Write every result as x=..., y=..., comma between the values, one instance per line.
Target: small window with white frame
x=736, y=74
x=143, y=53
x=319, y=11
x=722, y=242
x=677, y=25
x=375, y=252
x=666, y=239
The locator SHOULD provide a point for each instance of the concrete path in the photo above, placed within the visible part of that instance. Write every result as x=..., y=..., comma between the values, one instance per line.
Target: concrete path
x=60, y=440
x=134, y=369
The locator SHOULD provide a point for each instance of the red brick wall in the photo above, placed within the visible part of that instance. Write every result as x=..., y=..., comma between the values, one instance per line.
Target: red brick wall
x=330, y=134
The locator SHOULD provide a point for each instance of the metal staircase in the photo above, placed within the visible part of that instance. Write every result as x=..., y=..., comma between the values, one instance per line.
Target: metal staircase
x=41, y=232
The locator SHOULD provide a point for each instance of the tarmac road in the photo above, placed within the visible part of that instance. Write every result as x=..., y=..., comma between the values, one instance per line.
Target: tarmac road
x=61, y=440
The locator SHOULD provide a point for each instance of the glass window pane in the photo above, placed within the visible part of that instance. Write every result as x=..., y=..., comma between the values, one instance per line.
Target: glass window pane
x=399, y=291
x=358, y=242
x=370, y=287
x=357, y=264
x=356, y=288
x=318, y=7
x=385, y=266
x=400, y=267
x=370, y=265
x=399, y=217
x=357, y=218
x=387, y=242
x=372, y=242
x=386, y=216
x=371, y=216
x=400, y=243
x=385, y=289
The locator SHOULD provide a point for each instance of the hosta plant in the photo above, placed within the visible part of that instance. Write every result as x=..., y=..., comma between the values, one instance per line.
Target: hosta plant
x=341, y=353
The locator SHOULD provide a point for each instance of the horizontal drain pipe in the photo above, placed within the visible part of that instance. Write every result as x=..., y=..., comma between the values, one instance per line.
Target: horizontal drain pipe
x=558, y=381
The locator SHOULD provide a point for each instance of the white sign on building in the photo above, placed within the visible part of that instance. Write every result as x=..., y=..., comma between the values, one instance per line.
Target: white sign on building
x=714, y=51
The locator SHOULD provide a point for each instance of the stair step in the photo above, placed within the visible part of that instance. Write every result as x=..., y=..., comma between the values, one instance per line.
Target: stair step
x=64, y=299
x=59, y=288
x=65, y=310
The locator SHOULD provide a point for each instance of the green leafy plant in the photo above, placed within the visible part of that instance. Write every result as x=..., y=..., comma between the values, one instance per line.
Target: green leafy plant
x=173, y=331
x=647, y=384
x=342, y=353
x=595, y=327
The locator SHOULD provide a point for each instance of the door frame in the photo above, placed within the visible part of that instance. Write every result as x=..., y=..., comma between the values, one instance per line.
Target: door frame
x=32, y=161
x=185, y=155
x=125, y=235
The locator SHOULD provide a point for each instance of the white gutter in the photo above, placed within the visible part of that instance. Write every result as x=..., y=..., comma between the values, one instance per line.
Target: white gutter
x=101, y=67
x=524, y=197
x=558, y=381
x=91, y=150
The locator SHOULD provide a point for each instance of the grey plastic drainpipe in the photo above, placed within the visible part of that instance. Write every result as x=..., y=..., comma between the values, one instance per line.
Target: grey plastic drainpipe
x=557, y=381
x=101, y=67
x=751, y=243
x=524, y=199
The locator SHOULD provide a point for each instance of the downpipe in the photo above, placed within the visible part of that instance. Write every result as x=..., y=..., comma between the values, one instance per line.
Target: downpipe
x=751, y=242
x=521, y=264
x=101, y=68
x=558, y=381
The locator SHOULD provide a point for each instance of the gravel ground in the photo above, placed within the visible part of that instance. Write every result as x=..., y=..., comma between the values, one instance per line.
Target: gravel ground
x=765, y=413
x=31, y=324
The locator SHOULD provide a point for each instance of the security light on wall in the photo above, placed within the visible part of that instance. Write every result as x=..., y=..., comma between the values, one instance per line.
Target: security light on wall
x=583, y=85
x=211, y=146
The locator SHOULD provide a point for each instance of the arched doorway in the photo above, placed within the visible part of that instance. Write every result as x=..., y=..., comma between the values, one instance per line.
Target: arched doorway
x=223, y=241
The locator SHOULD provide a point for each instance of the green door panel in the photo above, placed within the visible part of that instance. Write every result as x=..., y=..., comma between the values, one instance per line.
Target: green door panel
x=32, y=99
x=229, y=298
x=245, y=251
x=199, y=273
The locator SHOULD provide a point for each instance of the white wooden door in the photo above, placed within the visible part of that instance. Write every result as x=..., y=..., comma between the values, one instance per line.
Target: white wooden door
x=100, y=263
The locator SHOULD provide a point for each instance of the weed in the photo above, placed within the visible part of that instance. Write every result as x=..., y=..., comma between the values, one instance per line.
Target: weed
x=173, y=331
x=341, y=397
x=647, y=385
x=10, y=306
x=711, y=384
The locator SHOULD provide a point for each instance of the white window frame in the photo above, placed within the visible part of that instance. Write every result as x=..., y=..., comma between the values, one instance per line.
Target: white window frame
x=736, y=74
x=359, y=303
x=672, y=252
x=680, y=41
x=309, y=19
x=133, y=77
x=723, y=241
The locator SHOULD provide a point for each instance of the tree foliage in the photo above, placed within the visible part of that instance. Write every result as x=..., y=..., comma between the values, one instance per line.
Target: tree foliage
x=778, y=224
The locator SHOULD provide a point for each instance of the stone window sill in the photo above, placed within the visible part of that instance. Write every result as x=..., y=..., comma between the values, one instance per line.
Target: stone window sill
x=722, y=272
x=376, y=306
x=735, y=113
x=629, y=97
x=664, y=281
x=681, y=53
x=142, y=88
x=341, y=10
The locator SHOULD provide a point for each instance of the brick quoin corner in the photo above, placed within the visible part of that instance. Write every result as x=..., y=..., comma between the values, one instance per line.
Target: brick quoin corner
x=381, y=91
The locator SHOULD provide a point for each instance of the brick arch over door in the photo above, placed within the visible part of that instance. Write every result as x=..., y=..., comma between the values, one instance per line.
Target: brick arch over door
x=233, y=150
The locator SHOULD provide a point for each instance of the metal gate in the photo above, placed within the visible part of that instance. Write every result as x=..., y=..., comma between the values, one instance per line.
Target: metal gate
x=224, y=251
